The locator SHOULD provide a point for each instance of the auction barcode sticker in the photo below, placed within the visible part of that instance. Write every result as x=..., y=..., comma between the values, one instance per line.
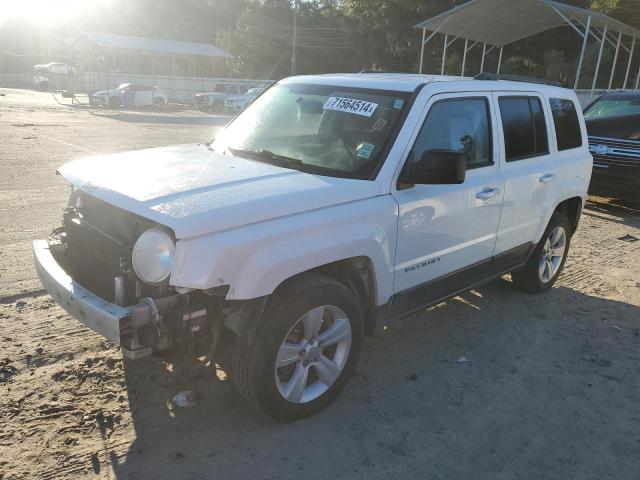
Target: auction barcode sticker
x=350, y=105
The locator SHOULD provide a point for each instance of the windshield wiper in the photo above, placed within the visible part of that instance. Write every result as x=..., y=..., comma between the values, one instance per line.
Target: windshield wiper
x=266, y=156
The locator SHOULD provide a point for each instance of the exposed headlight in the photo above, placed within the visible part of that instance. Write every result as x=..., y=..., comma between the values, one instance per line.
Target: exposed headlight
x=153, y=255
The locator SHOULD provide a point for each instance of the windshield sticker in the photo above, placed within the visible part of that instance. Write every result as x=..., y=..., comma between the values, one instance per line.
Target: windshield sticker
x=379, y=125
x=398, y=104
x=365, y=150
x=350, y=105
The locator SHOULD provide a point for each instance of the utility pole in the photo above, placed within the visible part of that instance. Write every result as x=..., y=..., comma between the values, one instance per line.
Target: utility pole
x=295, y=34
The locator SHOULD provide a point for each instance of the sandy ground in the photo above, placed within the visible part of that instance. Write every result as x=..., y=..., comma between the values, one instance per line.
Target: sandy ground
x=550, y=388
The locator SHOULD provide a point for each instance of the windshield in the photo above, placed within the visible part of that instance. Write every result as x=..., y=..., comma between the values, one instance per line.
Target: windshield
x=611, y=107
x=323, y=129
x=220, y=88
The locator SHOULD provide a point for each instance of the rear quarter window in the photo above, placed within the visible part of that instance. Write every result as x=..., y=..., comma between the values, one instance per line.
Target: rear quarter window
x=567, y=125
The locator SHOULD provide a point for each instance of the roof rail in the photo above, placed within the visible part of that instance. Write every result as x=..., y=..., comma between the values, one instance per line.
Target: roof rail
x=517, y=78
x=369, y=70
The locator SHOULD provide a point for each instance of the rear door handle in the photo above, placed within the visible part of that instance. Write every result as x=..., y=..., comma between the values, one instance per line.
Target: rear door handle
x=487, y=193
x=548, y=177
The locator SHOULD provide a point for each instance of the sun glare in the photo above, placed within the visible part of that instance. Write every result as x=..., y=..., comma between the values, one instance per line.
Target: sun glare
x=44, y=10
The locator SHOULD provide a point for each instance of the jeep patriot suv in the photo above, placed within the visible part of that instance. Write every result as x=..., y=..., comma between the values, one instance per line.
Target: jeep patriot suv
x=331, y=206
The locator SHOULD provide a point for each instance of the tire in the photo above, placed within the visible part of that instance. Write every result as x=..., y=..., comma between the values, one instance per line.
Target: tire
x=543, y=268
x=158, y=102
x=115, y=102
x=266, y=386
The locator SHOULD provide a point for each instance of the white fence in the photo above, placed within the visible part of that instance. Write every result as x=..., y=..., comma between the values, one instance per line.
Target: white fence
x=179, y=89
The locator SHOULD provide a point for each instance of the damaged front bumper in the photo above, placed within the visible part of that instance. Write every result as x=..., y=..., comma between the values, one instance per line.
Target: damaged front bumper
x=103, y=317
x=116, y=323
x=162, y=323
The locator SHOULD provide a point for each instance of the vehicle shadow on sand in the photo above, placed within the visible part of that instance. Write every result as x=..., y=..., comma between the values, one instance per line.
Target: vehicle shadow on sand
x=623, y=211
x=494, y=382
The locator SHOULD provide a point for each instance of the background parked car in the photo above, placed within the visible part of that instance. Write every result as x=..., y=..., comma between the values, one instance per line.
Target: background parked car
x=51, y=75
x=215, y=101
x=54, y=68
x=130, y=95
x=613, y=124
x=240, y=102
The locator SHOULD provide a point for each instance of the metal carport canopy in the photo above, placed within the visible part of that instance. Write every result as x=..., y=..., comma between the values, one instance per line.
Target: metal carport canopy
x=499, y=22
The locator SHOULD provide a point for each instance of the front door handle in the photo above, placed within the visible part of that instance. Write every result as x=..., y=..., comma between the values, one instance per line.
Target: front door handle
x=547, y=177
x=487, y=193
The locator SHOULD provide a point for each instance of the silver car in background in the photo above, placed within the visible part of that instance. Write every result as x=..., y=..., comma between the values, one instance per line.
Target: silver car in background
x=238, y=103
x=214, y=101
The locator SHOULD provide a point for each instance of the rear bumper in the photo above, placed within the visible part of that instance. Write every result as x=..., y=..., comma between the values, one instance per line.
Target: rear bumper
x=101, y=316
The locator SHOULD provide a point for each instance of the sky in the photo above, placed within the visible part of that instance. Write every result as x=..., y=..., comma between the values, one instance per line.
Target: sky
x=45, y=11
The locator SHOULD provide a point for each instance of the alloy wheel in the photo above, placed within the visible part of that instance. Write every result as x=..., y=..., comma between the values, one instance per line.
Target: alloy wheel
x=313, y=354
x=552, y=254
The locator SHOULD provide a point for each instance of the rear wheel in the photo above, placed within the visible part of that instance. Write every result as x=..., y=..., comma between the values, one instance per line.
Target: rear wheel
x=547, y=260
x=299, y=358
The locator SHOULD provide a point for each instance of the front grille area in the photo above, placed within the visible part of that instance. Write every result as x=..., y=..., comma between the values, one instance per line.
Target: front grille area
x=94, y=258
x=99, y=238
x=615, y=152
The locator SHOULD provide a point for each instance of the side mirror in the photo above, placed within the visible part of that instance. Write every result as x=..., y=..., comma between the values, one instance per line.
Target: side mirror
x=436, y=167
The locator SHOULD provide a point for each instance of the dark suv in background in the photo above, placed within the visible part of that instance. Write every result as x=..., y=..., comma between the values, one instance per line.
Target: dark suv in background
x=613, y=125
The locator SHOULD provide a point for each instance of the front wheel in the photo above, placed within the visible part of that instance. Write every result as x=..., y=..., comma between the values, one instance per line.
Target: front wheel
x=547, y=260
x=299, y=358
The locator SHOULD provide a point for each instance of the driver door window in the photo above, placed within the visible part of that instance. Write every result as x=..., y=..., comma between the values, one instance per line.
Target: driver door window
x=460, y=125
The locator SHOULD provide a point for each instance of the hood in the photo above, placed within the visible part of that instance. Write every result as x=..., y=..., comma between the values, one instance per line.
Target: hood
x=625, y=127
x=195, y=191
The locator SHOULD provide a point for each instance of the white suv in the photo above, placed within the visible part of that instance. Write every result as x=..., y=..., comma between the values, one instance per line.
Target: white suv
x=331, y=206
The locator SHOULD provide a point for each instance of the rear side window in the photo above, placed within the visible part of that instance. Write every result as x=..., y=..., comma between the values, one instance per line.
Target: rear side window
x=525, y=131
x=565, y=119
x=461, y=125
